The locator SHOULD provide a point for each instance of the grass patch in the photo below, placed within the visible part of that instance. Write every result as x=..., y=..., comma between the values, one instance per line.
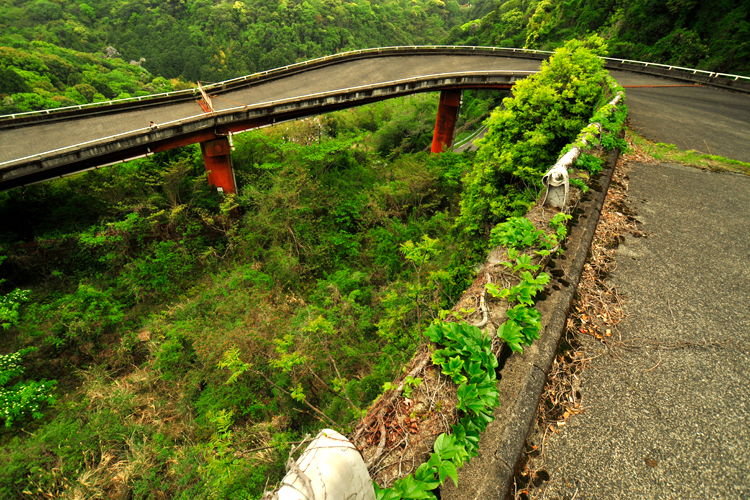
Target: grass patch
x=670, y=153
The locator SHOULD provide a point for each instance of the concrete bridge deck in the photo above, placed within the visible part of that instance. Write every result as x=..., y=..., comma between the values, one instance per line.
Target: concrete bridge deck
x=39, y=147
x=35, y=138
x=57, y=144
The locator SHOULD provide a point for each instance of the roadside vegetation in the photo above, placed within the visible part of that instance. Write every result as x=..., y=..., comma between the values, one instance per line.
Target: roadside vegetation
x=670, y=154
x=571, y=89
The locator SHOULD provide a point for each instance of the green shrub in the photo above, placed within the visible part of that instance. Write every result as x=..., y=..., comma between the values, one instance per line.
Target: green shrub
x=10, y=305
x=24, y=398
x=546, y=112
x=78, y=317
x=159, y=274
x=175, y=355
x=516, y=232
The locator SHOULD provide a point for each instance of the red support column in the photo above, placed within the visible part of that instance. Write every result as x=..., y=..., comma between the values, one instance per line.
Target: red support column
x=216, y=156
x=445, y=125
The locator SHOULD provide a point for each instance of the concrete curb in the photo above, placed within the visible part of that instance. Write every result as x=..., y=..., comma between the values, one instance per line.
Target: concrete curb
x=490, y=474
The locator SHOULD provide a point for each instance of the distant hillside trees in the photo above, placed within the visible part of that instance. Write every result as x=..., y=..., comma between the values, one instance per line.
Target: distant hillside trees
x=117, y=47
x=711, y=34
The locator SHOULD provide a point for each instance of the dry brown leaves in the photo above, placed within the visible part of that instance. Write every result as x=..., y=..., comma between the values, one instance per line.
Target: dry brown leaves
x=398, y=433
x=597, y=311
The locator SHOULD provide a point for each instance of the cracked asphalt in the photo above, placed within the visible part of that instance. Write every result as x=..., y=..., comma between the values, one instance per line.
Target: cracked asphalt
x=668, y=407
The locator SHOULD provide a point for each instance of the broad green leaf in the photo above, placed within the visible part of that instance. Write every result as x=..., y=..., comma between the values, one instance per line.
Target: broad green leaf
x=434, y=333
x=448, y=469
x=426, y=472
x=440, y=443
x=410, y=488
x=510, y=332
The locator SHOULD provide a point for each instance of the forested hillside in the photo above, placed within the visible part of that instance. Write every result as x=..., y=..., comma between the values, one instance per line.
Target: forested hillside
x=63, y=53
x=712, y=35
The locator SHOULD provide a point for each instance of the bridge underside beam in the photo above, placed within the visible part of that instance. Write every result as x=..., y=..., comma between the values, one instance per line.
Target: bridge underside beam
x=445, y=124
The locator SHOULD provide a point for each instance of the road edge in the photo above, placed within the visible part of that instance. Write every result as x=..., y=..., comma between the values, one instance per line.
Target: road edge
x=490, y=474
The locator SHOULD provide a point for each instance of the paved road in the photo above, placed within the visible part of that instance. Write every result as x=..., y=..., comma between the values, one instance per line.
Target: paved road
x=472, y=145
x=669, y=417
x=702, y=118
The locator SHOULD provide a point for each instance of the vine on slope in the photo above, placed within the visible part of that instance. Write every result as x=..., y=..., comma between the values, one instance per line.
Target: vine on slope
x=466, y=356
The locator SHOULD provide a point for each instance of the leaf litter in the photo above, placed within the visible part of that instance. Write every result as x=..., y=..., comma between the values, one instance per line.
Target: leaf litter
x=597, y=311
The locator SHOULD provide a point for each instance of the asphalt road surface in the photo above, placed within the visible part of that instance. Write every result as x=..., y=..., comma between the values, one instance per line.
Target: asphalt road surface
x=667, y=410
x=705, y=119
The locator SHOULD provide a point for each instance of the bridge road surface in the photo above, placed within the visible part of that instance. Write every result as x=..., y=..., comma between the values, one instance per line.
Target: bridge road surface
x=698, y=113
x=39, y=138
x=667, y=414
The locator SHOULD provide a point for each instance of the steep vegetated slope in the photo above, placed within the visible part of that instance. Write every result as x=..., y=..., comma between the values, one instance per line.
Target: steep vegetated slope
x=712, y=35
x=397, y=436
x=61, y=52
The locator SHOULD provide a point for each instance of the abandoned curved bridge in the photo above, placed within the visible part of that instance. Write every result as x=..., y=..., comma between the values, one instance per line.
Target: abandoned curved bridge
x=43, y=145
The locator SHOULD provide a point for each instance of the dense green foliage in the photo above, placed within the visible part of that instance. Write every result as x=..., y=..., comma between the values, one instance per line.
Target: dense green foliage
x=546, y=112
x=150, y=291
x=185, y=328
x=25, y=397
x=40, y=75
x=712, y=35
x=194, y=336
x=65, y=53
x=21, y=398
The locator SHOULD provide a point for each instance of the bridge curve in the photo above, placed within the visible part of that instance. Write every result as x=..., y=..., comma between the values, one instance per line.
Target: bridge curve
x=41, y=145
